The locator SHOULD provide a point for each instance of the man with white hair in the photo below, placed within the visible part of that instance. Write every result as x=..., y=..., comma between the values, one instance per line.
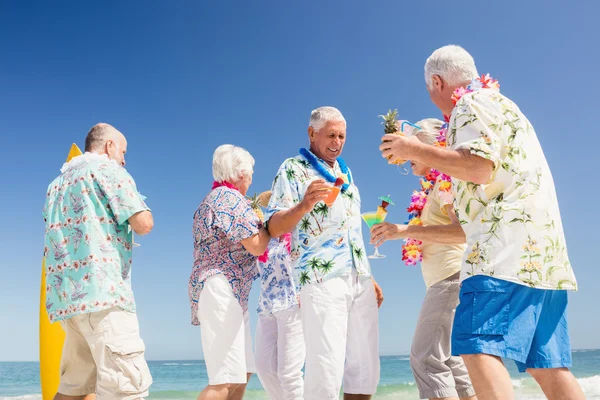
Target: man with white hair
x=516, y=271
x=338, y=296
x=90, y=210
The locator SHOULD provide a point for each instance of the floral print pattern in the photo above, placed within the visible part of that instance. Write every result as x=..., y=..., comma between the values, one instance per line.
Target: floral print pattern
x=278, y=290
x=513, y=225
x=221, y=222
x=327, y=243
x=88, y=239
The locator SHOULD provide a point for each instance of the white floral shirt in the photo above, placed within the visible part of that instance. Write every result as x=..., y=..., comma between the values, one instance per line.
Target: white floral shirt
x=278, y=290
x=327, y=243
x=513, y=225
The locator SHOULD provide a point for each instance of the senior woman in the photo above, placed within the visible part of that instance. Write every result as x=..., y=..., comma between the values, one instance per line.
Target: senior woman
x=228, y=238
x=439, y=244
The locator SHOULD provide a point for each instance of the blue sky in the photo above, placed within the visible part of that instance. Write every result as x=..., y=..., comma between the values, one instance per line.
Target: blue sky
x=180, y=78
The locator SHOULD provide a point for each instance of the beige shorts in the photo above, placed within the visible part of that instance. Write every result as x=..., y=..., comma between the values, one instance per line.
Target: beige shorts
x=104, y=354
x=225, y=331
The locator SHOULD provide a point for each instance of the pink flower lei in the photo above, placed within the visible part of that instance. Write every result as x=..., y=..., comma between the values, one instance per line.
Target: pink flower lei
x=483, y=82
x=411, y=249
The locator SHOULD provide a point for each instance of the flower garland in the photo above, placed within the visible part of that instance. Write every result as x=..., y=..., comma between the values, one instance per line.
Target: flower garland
x=318, y=165
x=224, y=183
x=483, y=82
x=411, y=249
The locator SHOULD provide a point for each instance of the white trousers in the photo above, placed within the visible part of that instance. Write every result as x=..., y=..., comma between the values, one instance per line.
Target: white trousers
x=225, y=330
x=340, y=320
x=280, y=353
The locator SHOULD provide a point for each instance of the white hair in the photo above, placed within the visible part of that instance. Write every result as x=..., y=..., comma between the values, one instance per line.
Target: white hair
x=322, y=115
x=231, y=162
x=452, y=63
x=430, y=129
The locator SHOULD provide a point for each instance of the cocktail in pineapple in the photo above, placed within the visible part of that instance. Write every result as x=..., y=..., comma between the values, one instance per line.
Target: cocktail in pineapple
x=372, y=218
x=392, y=126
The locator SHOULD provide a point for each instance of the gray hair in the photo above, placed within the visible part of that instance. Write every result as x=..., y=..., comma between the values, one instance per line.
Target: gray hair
x=98, y=136
x=230, y=162
x=430, y=129
x=322, y=115
x=452, y=63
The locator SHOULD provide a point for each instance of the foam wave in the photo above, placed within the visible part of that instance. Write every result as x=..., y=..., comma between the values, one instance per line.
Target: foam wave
x=177, y=364
x=525, y=388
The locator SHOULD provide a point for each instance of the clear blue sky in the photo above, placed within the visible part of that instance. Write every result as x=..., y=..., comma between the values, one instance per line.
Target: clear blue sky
x=180, y=78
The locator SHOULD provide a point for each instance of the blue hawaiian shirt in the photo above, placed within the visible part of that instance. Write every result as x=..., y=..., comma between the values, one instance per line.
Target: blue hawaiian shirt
x=88, y=239
x=328, y=242
x=278, y=290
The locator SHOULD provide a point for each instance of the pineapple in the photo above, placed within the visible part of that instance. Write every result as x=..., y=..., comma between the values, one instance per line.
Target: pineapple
x=255, y=204
x=390, y=125
x=258, y=201
x=390, y=122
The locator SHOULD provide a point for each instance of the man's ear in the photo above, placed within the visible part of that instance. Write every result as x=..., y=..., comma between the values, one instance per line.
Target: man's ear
x=438, y=82
x=311, y=133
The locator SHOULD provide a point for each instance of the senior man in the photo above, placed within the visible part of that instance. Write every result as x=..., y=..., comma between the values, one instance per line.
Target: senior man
x=338, y=296
x=90, y=210
x=516, y=271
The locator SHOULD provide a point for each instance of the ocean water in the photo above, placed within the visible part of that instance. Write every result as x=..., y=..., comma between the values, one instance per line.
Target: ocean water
x=181, y=380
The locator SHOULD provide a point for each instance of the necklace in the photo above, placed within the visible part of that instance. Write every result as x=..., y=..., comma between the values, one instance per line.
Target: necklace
x=483, y=82
x=318, y=165
x=411, y=249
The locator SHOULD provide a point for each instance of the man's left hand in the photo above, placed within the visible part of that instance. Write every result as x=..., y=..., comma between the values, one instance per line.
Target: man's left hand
x=378, y=293
x=399, y=148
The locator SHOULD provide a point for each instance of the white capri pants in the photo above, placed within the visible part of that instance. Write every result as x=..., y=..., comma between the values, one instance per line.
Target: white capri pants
x=280, y=354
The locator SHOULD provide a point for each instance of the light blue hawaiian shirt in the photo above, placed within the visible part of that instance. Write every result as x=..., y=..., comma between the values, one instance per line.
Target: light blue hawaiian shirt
x=278, y=290
x=88, y=239
x=328, y=242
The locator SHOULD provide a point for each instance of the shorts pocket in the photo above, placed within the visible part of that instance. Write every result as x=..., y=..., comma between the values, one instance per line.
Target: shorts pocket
x=490, y=312
x=132, y=370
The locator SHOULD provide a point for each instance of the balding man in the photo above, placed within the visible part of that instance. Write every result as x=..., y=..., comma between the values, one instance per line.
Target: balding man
x=91, y=209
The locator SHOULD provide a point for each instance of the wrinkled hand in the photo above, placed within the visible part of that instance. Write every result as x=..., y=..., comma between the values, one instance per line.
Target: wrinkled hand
x=315, y=193
x=378, y=293
x=380, y=233
x=399, y=147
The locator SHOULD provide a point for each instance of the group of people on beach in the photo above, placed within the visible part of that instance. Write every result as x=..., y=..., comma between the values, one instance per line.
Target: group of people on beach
x=485, y=227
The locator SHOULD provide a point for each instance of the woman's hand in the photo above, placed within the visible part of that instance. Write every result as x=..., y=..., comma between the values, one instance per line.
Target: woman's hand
x=380, y=233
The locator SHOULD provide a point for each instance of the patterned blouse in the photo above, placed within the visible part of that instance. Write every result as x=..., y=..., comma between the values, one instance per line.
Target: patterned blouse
x=278, y=290
x=221, y=222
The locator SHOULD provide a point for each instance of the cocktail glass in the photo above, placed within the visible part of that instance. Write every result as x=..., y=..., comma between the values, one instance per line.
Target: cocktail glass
x=333, y=194
x=373, y=218
x=401, y=167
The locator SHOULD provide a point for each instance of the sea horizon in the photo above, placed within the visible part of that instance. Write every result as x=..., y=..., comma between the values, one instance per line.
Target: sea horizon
x=183, y=379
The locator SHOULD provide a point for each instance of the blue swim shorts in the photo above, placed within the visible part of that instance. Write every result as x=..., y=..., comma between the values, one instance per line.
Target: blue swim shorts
x=513, y=321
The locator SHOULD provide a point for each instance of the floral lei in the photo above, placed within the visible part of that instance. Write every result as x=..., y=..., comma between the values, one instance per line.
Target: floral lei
x=411, y=250
x=483, y=82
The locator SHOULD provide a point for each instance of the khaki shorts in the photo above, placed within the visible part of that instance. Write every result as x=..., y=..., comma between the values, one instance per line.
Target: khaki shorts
x=104, y=354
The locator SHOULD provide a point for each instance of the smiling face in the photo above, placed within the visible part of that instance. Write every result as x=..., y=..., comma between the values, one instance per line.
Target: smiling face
x=328, y=142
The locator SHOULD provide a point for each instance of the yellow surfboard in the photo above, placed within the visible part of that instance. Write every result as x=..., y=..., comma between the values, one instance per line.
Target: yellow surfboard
x=52, y=335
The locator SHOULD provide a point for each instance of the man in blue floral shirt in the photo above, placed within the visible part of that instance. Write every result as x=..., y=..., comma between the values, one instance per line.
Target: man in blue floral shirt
x=90, y=210
x=337, y=294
